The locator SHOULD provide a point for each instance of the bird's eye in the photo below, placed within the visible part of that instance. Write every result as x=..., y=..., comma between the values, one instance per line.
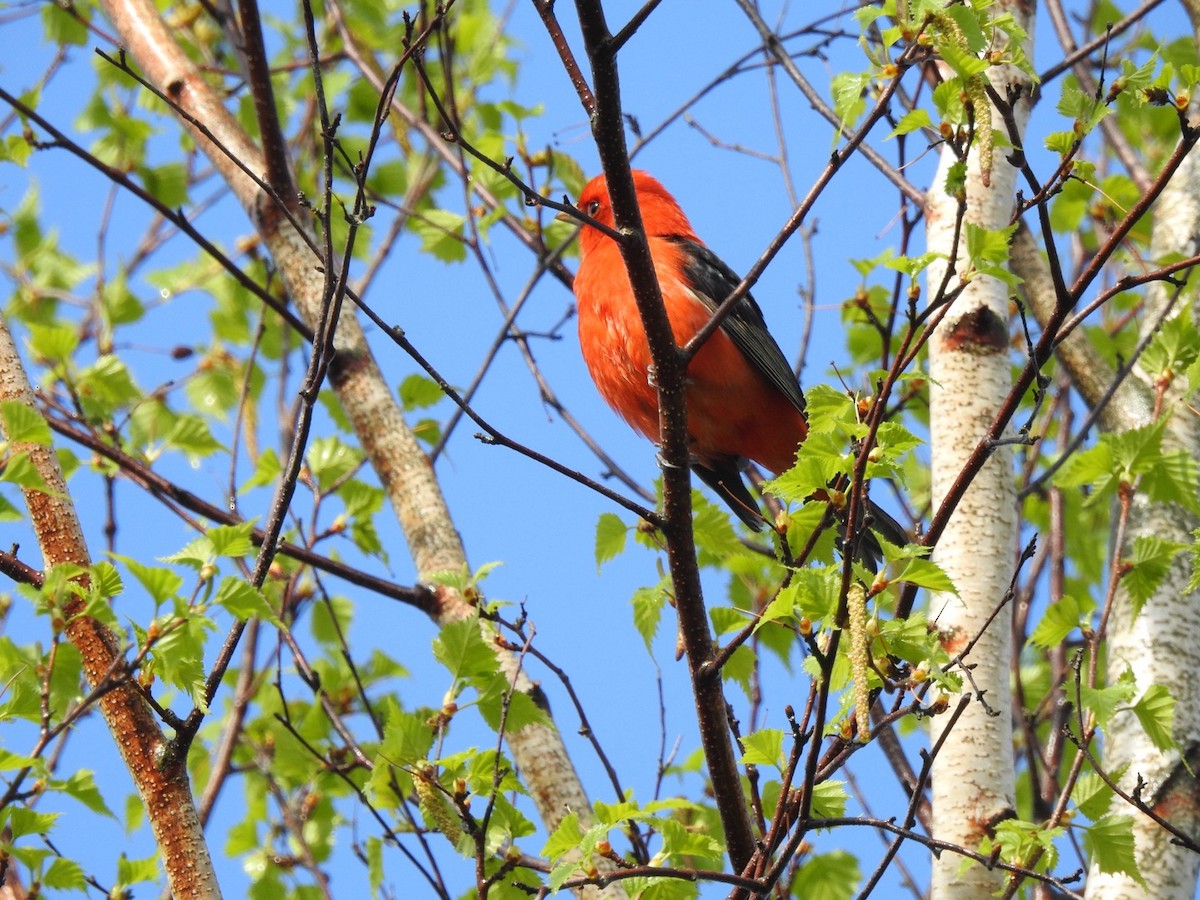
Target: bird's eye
x=593, y=208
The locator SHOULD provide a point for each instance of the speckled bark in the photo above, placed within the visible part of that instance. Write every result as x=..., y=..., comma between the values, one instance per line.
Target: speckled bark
x=163, y=785
x=1161, y=645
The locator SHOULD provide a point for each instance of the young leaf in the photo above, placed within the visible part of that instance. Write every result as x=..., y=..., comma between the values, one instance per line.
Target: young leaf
x=611, y=536
x=828, y=876
x=22, y=424
x=1109, y=843
x=764, y=748
x=460, y=648
x=1156, y=711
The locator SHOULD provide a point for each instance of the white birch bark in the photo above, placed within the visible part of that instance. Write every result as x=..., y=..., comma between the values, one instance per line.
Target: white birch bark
x=971, y=374
x=1161, y=644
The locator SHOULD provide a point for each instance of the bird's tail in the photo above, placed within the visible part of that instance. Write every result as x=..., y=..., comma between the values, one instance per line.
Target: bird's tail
x=877, y=521
x=725, y=478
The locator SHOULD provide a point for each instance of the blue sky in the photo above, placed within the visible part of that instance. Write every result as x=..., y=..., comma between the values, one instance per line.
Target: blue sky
x=507, y=508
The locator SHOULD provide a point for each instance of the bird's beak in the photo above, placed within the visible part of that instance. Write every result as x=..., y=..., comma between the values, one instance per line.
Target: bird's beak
x=564, y=216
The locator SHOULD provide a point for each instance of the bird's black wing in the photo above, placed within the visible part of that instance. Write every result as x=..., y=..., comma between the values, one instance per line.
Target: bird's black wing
x=723, y=475
x=713, y=281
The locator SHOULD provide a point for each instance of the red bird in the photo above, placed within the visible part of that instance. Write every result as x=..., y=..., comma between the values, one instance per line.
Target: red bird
x=743, y=401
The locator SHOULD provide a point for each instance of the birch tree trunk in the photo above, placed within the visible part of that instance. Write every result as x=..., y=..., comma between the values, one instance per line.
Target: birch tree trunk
x=971, y=374
x=1158, y=644
x=389, y=444
x=159, y=774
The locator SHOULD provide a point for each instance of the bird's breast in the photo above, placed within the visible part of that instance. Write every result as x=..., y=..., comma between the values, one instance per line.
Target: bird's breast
x=732, y=409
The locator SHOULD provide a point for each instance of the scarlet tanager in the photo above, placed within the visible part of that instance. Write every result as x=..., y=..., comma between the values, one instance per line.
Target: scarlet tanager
x=743, y=401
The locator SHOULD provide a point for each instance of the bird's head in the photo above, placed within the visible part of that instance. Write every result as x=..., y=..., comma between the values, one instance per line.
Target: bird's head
x=661, y=215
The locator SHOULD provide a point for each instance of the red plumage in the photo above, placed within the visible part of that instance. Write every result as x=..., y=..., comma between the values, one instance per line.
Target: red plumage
x=743, y=400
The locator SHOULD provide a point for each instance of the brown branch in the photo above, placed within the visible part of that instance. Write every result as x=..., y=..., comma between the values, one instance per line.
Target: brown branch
x=168, y=492
x=609, y=133
x=162, y=781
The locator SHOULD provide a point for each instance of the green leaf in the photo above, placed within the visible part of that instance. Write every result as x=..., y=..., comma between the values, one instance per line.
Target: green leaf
x=1173, y=479
x=53, y=343
x=1109, y=844
x=214, y=390
x=849, y=102
x=178, y=654
x=566, y=837
x=106, y=581
x=192, y=435
x=241, y=599
x=374, y=855
x=267, y=471
x=956, y=176
x=816, y=591
x=1071, y=204
x=986, y=244
x=168, y=183
x=1059, y=620
x=196, y=554
x=1194, y=553
x=461, y=649
x=136, y=871
x=912, y=266
x=1103, y=702
x=19, y=470
x=419, y=392
x=11, y=761
x=611, y=537
x=585, y=844
x=441, y=234
x=82, y=786
x=159, y=582
x=23, y=820
x=648, y=603
x=682, y=845
x=1151, y=560
x=9, y=512
x=948, y=101
x=961, y=61
x=1120, y=458
x=64, y=875
x=330, y=460
x=118, y=303
x=330, y=621
x=712, y=528
x=921, y=572
x=829, y=800
x=912, y=121
x=764, y=748
x=500, y=704
x=1156, y=711
x=231, y=540
x=1092, y=794
x=1175, y=346
x=15, y=148
x=23, y=424
x=407, y=740
x=1020, y=842
x=107, y=384
x=63, y=27
x=828, y=876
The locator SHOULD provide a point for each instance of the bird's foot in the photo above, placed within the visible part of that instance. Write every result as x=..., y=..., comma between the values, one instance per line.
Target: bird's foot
x=662, y=462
